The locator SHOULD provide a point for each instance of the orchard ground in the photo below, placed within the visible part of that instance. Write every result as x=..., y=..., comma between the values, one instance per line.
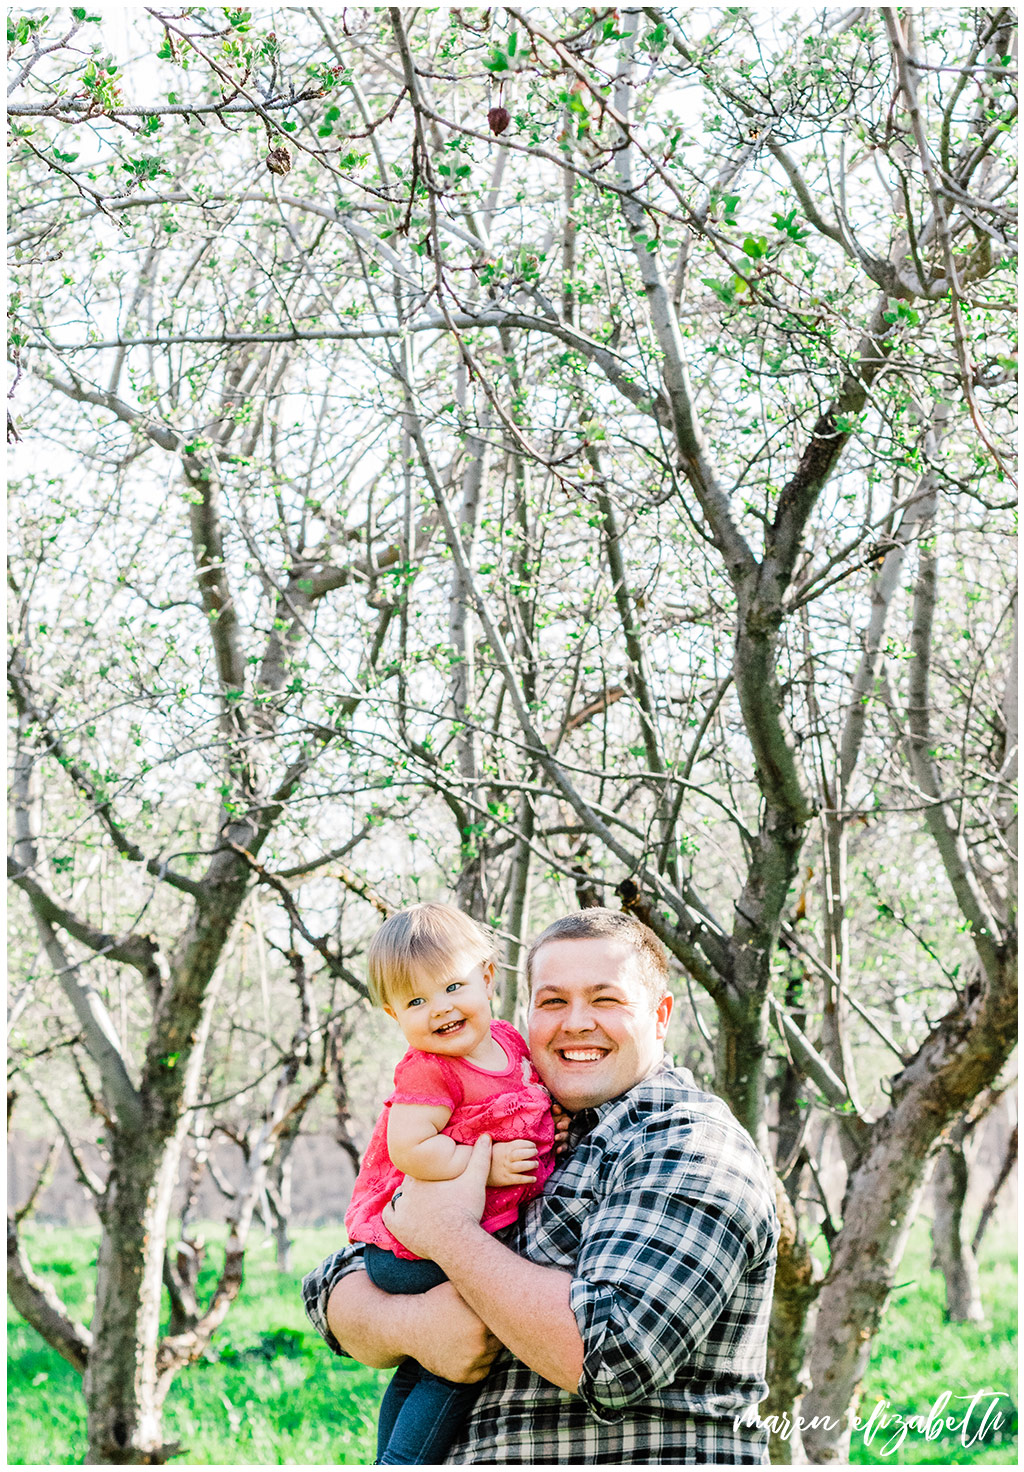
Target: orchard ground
x=271, y=1393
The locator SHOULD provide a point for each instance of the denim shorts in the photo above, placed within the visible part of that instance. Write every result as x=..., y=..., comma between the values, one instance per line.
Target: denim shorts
x=393, y=1274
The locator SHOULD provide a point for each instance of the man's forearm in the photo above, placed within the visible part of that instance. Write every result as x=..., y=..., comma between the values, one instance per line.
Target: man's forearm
x=524, y=1305
x=368, y=1323
x=436, y=1328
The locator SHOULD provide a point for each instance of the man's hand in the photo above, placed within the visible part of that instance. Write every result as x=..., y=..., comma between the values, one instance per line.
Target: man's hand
x=562, y=1119
x=526, y=1305
x=513, y=1163
x=426, y=1216
x=458, y=1346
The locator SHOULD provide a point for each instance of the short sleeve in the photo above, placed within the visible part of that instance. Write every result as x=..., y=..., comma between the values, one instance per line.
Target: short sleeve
x=423, y=1078
x=662, y=1259
x=318, y=1285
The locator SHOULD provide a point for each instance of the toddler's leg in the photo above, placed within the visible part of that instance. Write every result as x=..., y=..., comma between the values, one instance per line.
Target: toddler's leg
x=428, y=1420
x=402, y=1382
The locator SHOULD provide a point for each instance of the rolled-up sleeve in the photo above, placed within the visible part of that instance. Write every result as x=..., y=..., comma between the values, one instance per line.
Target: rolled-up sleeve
x=662, y=1254
x=318, y=1285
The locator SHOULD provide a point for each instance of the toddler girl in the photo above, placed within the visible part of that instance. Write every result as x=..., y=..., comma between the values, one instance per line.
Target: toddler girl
x=432, y=969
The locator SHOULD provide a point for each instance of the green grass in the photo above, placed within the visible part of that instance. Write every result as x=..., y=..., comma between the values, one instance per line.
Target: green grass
x=916, y=1357
x=271, y=1393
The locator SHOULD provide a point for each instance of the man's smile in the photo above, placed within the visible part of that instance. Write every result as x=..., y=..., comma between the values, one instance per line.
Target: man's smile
x=581, y=1055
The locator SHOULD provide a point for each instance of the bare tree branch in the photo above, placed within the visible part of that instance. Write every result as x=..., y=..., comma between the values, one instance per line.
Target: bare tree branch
x=40, y=1306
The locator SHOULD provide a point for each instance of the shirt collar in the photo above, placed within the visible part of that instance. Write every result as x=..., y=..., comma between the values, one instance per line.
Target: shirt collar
x=584, y=1120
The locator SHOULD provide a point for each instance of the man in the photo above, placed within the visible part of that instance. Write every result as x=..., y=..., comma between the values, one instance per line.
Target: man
x=632, y=1298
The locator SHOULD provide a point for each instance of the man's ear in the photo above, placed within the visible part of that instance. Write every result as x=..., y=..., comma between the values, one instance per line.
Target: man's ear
x=663, y=1012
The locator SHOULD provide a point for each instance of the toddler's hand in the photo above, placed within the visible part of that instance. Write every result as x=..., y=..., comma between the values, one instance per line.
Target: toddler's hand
x=562, y=1120
x=513, y=1163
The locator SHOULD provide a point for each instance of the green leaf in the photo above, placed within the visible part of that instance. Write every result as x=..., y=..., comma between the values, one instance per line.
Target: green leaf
x=789, y=226
x=723, y=293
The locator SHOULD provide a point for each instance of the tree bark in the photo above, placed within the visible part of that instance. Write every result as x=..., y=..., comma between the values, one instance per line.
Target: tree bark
x=1008, y=1162
x=952, y=1254
x=123, y=1420
x=470, y=886
x=963, y=1054
x=279, y=1195
x=518, y=909
x=797, y=1281
x=39, y=1305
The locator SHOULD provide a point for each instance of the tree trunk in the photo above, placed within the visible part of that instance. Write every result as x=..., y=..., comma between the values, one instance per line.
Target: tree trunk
x=518, y=910
x=120, y=1384
x=952, y=1254
x=337, y=1039
x=279, y=1196
x=797, y=1282
x=470, y=886
x=793, y=1114
x=1009, y=1160
x=878, y=1212
x=741, y=1047
x=963, y=1054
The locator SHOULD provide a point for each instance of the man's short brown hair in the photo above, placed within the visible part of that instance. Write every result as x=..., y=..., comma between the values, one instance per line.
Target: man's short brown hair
x=597, y=923
x=419, y=942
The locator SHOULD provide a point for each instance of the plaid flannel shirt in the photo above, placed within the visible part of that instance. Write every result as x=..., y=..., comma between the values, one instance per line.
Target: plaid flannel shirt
x=664, y=1215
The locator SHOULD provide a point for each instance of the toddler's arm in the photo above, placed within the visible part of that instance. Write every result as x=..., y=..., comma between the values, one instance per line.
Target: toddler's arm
x=417, y=1146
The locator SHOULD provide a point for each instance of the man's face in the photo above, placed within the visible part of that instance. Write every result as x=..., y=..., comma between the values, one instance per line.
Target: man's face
x=594, y=1031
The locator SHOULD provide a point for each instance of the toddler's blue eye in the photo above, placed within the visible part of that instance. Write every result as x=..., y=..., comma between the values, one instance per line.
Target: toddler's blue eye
x=453, y=986
x=416, y=1002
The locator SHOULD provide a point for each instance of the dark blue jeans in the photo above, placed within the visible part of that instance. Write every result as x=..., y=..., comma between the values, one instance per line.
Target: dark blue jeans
x=421, y=1414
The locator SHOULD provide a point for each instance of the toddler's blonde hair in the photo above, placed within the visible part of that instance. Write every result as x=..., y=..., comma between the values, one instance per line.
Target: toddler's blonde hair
x=419, y=941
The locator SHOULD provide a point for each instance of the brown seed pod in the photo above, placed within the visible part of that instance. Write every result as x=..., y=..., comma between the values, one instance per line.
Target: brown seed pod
x=279, y=161
x=498, y=119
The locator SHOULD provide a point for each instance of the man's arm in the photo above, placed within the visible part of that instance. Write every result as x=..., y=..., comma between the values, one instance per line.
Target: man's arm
x=436, y=1328
x=526, y=1306
x=686, y=1232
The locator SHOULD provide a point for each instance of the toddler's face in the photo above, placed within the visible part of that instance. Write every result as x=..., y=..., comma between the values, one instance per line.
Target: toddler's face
x=450, y=1013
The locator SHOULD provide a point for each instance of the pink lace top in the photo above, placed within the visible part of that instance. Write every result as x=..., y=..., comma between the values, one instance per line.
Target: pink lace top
x=511, y=1104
